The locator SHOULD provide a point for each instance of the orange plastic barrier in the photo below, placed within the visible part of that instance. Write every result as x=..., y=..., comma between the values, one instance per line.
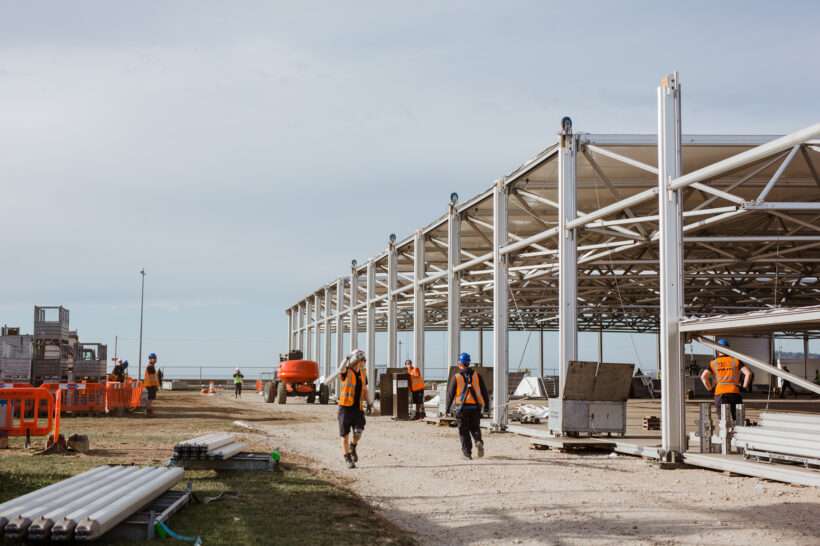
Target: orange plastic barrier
x=26, y=409
x=83, y=397
x=123, y=396
x=258, y=385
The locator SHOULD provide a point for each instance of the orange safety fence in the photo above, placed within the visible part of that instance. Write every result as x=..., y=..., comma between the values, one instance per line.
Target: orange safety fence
x=258, y=385
x=123, y=396
x=26, y=410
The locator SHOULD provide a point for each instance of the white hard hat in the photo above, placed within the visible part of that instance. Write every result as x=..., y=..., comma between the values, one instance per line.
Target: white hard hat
x=356, y=355
x=236, y=370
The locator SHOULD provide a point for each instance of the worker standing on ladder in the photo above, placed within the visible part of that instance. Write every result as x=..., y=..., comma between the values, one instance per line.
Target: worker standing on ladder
x=469, y=396
x=416, y=388
x=726, y=371
x=352, y=401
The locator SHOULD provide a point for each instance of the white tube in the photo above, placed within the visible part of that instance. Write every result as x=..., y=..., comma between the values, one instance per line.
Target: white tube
x=8, y=508
x=226, y=452
x=41, y=526
x=102, y=520
x=63, y=529
x=25, y=516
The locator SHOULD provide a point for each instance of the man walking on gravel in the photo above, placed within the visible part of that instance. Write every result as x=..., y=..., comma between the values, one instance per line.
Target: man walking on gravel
x=352, y=400
x=469, y=396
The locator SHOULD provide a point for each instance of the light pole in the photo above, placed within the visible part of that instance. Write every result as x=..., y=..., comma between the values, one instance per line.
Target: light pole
x=142, y=307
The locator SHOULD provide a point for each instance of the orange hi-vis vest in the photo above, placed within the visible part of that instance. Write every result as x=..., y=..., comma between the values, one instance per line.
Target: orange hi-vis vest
x=727, y=375
x=348, y=392
x=468, y=394
x=416, y=380
x=150, y=380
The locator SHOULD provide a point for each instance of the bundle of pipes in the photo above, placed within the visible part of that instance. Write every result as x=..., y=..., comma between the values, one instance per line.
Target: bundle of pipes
x=215, y=446
x=792, y=434
x=86, y=506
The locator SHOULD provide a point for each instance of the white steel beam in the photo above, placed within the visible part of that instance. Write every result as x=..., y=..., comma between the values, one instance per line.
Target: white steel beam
x=317, y=339
x=328, y=362
x=418, y=301
x=302, y=326
x=453, y=285
x=340, y=347
x=392, y=317
x=567, y=252
x=290, y=329
x=501, y=289
x=354, y=301
x=671, y=270
x=308, y=350
x=371, y=331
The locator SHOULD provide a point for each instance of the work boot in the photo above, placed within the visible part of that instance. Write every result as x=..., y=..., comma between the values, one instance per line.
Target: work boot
x=479, y=446
x=349, y=461
x=353, y=454
x=466, y=455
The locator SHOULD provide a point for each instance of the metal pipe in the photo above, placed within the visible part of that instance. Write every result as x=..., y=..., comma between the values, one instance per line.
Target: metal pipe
x=102, y=520
x=12, y=507
x=774, y=370
x=64, y=529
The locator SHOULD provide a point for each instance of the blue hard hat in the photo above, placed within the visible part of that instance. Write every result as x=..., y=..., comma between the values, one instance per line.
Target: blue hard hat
x=152, y=355
x=124, y=364
x=723, y=342
x=464, y=358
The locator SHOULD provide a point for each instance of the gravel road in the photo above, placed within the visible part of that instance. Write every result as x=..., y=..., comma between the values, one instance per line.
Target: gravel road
x=413, y=473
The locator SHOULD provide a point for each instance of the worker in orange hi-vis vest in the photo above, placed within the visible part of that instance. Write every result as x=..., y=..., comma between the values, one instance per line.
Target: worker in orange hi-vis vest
x=726, y=372
x=468, y=394
x=352, y=402
x=416, y=388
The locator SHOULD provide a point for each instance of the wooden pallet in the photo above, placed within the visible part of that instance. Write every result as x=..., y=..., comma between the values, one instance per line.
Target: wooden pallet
x=441, y=421
x=572, y=444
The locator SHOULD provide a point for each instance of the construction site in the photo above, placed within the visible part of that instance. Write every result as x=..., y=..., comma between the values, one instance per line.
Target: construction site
x=616, y=342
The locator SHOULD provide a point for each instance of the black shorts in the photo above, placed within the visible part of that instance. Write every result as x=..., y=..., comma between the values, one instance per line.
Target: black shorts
x=152, y=393
x=418, y=397
x=350, y=419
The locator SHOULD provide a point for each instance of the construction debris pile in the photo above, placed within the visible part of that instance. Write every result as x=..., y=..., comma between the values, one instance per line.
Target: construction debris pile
x=216, y=446
x=86, y=506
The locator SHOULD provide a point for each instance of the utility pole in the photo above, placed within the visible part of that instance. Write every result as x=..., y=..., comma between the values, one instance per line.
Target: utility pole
x=142, y=308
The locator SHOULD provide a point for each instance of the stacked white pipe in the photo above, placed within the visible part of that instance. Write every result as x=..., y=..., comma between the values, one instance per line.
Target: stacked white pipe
x=85, y=506
x=794, y=434
x=213, y=446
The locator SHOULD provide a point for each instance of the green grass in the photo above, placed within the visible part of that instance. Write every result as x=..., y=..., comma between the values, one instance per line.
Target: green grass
x=293, y=507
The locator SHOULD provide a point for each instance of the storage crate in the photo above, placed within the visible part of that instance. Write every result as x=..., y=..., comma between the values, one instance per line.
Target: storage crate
x=46, y=369
x=91, y=360
x=16, y=347
x=15, y=370
x=51, y=322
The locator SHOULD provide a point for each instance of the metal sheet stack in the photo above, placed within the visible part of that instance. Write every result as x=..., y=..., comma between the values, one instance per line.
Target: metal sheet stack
x=216, y=446
x=86, y=506
x=792, y=435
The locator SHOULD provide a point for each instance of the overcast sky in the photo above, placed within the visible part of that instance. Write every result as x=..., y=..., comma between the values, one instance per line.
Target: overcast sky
x=245, y=152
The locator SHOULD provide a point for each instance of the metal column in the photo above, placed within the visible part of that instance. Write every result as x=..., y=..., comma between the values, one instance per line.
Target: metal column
x=671, y=271
x=392, y=319
x=567, y=253
x=340, y=328
x=501, y=289
x=302, y=327
x=317, y=339
x=328, y=367
x=308, y=349
x=290, y=330
x=371, y=331
x=418, y=300
x=453, y=284
x=354, y=300
x=481, y=345
x=541, y=353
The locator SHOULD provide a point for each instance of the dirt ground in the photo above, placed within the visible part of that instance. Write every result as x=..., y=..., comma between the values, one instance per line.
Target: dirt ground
x=300, y=505
x=411, y=472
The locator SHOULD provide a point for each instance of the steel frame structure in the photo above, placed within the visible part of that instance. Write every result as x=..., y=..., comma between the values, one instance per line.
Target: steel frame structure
x=599, y=232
